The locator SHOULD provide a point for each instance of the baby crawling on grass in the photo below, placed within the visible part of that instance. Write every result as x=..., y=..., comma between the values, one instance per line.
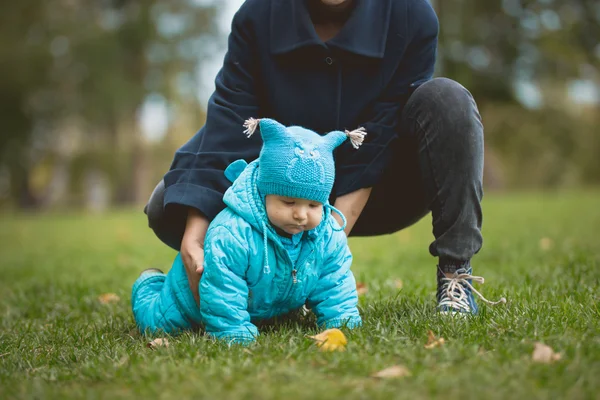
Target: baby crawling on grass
x=273, y=249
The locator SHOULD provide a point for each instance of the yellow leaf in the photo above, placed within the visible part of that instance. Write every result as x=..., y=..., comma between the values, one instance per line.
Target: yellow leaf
x=123, y=233
x=396, y=371
x=124, y=360
x=361, y=288
x=108, y=298
x=432, y=341
x=158, y=342
x=403, y=236
x=546, y=243
x=331, y=340
x=544, y=354
x=123, y=260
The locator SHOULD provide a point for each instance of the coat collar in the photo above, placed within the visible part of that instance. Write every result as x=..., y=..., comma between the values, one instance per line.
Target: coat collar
x=364, y=33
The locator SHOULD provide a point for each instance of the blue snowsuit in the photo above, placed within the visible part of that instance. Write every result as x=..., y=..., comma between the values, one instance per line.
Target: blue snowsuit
x=250, y=276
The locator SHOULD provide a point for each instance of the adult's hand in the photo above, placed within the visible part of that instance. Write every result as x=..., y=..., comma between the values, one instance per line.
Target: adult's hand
x=192, y=249
x=351, y=205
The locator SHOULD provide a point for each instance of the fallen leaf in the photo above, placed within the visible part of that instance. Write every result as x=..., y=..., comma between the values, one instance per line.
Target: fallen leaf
x=124, y=360
x=398, y=283
x=123, y=234
x=361, y=288
x=432, y=341
x=396, y=371
x=544, y=354
x=124, y=260
x=134, y=332
x=108, y=298
x=482, y=352
x=331, y=340
x=546, y=243
x=318, y=363
x=158, y=342
x=403, y=236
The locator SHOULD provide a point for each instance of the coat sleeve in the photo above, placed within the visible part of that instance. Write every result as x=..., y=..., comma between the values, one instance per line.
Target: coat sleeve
x=363, y=168
x=196, y=177
x=223, y=288
x=334, y=299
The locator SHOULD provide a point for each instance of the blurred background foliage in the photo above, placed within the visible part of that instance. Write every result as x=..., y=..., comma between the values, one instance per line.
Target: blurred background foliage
x=95, y=96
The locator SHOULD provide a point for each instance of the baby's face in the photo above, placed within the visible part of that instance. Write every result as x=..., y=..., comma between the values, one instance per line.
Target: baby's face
x=292, y=215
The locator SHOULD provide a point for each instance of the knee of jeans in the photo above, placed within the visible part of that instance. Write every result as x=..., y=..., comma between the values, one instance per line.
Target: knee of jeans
x=445, y=96
x=155, y=207
x=442, y=102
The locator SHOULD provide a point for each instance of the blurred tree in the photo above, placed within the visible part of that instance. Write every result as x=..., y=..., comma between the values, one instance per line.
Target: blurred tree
x=75, y=76
x=478, y=47
x=24, y=68
x=520, y=59
x=137, y=49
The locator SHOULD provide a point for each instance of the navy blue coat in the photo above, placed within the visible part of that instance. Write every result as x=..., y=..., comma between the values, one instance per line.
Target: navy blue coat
x=277, y=67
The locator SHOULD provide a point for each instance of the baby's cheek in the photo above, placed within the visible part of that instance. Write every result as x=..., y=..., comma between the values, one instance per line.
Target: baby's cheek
x=274, y=213
x=317, y=216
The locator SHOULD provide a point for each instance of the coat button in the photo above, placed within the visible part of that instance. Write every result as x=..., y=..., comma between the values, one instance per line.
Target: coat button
x=329, y=60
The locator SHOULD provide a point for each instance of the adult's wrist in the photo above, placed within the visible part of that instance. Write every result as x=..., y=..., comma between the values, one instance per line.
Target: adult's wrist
x=196, y=226
x=352, y=205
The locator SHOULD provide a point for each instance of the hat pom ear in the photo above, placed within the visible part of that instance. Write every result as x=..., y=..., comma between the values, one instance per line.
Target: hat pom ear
x=335, y=138
x=250, y=124
x=268, y=127
x=357, y=136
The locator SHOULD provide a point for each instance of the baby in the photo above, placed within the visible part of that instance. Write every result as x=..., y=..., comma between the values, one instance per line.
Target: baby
x=273, y=249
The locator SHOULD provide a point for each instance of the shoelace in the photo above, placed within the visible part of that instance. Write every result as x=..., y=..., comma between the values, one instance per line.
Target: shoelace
x=455, y=295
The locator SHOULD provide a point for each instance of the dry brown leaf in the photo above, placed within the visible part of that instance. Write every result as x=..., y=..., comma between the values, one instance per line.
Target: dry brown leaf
x=361, y=288
x=432, y=341
x=124, y=360
x=331, y=340
x=403, y=236
x=123, y=234
x=544, y=354
x=124, y=260
x=319, y=363
x=158, y=342
x=108, y=298
x=546, y=243
x=482, y=352
x=396, y=371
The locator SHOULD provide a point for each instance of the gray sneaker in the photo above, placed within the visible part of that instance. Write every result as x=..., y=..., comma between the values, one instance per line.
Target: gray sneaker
x=455, y=294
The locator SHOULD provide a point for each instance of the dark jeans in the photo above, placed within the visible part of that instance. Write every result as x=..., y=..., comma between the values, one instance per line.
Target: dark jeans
x=437, y=167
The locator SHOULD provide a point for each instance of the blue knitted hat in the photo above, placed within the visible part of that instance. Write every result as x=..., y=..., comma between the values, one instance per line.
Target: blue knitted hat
x=297, y=162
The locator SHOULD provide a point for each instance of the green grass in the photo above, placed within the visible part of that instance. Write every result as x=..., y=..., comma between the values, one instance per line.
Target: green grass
x=58, y=341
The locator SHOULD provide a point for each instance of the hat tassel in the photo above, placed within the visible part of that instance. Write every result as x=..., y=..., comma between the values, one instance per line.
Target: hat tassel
x=357, y=136
x=250, y=124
